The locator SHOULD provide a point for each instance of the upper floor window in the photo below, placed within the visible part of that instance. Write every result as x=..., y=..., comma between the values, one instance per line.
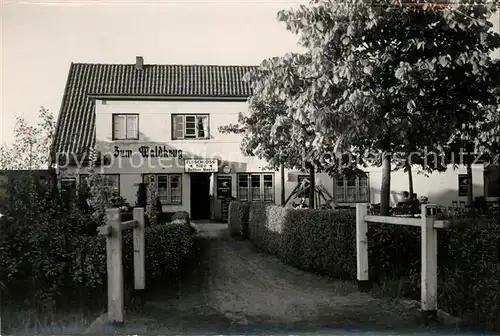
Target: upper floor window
x=190, y=126
x=257, y=187
x=125, y=127
x=352, y=189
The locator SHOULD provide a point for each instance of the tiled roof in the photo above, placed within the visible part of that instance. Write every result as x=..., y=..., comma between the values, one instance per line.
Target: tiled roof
x=75, y=131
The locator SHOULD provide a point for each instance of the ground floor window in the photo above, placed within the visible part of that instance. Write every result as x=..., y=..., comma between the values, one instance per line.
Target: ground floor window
x=115, y=181
x=68, y=184
x=169, y=187
x=352, y=189
x=256, y=187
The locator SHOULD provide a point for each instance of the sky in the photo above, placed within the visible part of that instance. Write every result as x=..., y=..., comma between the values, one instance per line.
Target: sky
x=40, y=39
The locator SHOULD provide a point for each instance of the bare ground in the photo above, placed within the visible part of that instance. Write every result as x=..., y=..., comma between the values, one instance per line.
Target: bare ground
x=236, y=289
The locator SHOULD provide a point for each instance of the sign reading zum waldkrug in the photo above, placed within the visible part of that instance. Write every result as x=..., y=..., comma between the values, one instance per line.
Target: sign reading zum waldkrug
x=201, y=166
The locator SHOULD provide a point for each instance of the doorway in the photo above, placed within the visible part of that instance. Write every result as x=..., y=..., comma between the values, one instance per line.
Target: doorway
x=200, y=196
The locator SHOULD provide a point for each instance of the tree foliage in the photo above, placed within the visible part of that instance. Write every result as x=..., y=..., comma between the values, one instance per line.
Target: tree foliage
x=379, y=79
x=32, y=143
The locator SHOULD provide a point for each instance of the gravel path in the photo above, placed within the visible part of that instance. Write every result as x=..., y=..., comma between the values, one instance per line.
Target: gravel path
x=238, y=289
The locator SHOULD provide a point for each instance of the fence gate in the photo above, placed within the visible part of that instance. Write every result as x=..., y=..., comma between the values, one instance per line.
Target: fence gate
x=429, y=226
x=114, y=251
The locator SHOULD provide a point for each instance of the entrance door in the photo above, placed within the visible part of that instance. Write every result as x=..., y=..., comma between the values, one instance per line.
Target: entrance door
x=200, y=196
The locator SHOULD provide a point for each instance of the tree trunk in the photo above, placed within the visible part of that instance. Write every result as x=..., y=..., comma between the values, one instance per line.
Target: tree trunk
x=410, y=179
x=312, y=187
x=470, y=194
x=283, y=198
x=385, y=188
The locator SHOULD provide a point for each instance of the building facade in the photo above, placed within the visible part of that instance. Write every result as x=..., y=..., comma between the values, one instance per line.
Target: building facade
x=159, y=124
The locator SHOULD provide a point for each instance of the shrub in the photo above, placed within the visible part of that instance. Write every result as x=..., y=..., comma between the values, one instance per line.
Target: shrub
x=45, y=255
x=323, y=241
x=320, y=241
x=181, y=215
x=238, y=214
x=164, y=217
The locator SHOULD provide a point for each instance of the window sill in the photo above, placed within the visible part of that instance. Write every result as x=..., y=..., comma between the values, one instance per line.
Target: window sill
x=191, y=139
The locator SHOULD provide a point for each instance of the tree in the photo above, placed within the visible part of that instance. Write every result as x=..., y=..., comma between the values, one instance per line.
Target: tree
x=32, y=143
x=270, y=133
x=375, y=76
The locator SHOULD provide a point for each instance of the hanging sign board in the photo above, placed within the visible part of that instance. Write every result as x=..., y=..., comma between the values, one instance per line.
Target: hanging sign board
x=201, y=166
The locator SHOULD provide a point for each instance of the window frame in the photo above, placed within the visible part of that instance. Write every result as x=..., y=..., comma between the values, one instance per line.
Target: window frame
x=196, y=116
x=357, y=188
x=114, y=116
x=169, y=186
x=82, y=178
x=261, y=187
x=63, y=183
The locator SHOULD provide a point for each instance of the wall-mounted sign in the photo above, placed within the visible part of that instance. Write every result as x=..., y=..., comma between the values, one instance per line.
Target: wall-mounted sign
x=463, y=185
x=226, y=169
x=201, y=166
x=224, y=187
x=149, y=151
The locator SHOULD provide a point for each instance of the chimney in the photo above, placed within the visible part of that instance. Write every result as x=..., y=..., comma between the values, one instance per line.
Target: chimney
x=139, y=63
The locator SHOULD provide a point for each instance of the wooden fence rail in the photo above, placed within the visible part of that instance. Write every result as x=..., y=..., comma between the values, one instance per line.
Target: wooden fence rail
x=114, y=251
x=428, y=225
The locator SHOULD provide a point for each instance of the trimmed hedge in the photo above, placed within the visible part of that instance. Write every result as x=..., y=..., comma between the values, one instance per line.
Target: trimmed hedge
x=238, y=218
x=78, y=263
x=323, y=241
x=306, y=239
x=182, y=215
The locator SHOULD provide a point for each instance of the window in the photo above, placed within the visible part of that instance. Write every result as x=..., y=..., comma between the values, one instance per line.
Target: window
x=462, y=184
x=305, y=192
x=190, y=126
x=352, y=189
x=115, y=180
x=256, y=187
x=68, y=184
x=169, y=187
x=125, y=127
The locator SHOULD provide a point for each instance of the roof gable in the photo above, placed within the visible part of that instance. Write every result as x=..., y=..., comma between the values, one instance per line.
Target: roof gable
x=75, y=131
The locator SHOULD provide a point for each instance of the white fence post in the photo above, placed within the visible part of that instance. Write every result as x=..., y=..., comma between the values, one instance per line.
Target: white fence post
x=362, y=246
x=429, y=266
x=139, y=250
x=115, y=267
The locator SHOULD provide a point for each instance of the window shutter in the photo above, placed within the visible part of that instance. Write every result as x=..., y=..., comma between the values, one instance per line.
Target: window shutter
x=119, y=126
x=178, y=127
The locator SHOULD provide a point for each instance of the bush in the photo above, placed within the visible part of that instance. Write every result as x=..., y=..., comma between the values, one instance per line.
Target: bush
x=323, y=241
x=49, y=250
x=238, y=214
x=164, y=217
x=320, y=241
x=181, y=215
